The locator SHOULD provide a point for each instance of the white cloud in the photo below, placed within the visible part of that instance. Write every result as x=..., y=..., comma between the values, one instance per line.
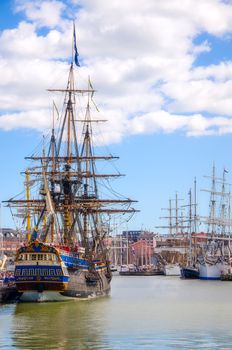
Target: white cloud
x=42, y=13
x=23, y=87
x=200, y=95
x=195, y=125
x=33, y=119
x=221, y=72
x=23, y=43
x=140, y=56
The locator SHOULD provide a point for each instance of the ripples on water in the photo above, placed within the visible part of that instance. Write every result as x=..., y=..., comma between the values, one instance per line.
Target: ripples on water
x=142, y=313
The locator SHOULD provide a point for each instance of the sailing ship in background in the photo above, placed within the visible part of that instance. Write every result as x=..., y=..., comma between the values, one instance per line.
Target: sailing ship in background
x=215, y=259
x=65, y=255
x=176, y=225
x=208, y=253
x=190, y=269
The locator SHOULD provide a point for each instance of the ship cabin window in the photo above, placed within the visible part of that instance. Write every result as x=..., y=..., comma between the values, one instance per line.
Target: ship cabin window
x=38, y=257
x=24, y=257
x=51, y=257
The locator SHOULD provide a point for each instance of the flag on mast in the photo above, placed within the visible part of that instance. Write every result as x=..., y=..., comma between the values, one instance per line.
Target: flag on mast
x=76, y=54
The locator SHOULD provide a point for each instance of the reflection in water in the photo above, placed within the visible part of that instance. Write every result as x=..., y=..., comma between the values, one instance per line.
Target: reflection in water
x=148, y=313
x=67, y=325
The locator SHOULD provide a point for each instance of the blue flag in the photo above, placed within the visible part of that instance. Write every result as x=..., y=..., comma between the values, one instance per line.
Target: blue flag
x=76, y=54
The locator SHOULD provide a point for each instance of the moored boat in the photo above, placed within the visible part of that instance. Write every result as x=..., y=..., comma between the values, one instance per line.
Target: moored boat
x=211, y=268
x=189, y=272
x=172, y=270
x=227, y=275
x=65, y=255
x=141, y=273
x=8, y=290
x=131, y=270
x=215, y=256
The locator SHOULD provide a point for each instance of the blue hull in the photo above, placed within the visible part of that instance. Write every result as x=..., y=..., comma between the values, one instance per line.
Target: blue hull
x=189, y=273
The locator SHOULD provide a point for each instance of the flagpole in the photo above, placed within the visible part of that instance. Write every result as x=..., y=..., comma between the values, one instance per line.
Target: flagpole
x=73, y=43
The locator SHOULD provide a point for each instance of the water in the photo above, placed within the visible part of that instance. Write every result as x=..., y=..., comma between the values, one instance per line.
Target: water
x=154, y=312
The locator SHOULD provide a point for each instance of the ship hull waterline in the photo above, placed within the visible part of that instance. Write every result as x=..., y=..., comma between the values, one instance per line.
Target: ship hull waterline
x=189, y=273
x=212, y=271
x=77, y=289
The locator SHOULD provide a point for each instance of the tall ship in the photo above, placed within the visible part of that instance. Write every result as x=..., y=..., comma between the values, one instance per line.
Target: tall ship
x=215, y=259
x=190, y=269
x=70, y=203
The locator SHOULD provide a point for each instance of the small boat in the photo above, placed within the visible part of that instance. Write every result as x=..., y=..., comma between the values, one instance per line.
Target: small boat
x=8, y=290
x=226, y=275
x=189, y=272
x=172, y=270
x=140, y=271
x=8, y=294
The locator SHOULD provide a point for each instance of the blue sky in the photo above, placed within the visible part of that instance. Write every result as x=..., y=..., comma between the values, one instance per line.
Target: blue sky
x=163, y=74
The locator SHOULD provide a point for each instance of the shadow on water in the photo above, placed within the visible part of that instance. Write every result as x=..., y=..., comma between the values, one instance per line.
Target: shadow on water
x=65, y=325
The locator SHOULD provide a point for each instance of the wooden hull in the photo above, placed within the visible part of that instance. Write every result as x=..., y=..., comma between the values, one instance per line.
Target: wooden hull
x=80, y=286
x=44, y=274
x=41, y=286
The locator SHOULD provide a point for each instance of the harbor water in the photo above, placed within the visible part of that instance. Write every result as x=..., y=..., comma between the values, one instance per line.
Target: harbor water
x=155, y=312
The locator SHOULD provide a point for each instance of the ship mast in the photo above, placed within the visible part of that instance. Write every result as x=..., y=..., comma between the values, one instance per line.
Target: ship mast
x=214, y=221
x=67, y=182
x=211, y=219
x=28, y=215
x=71, y=198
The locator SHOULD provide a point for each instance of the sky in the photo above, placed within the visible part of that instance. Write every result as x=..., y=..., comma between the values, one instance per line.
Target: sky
x=163, y=74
